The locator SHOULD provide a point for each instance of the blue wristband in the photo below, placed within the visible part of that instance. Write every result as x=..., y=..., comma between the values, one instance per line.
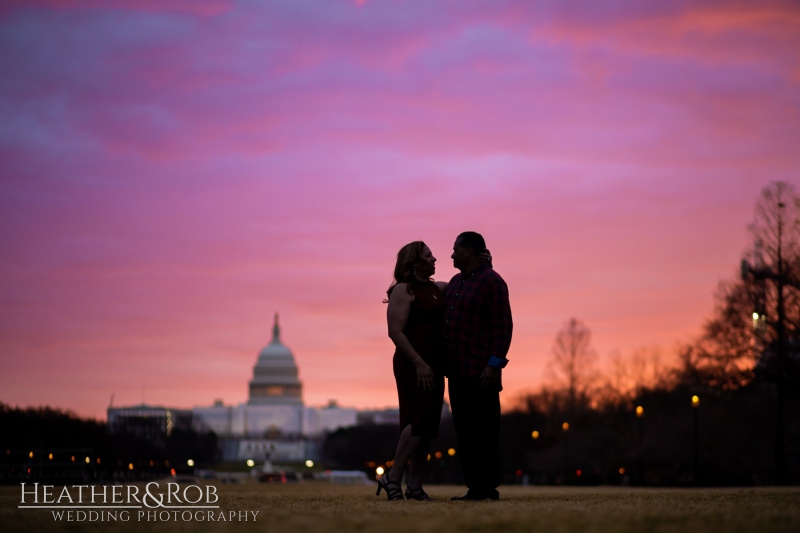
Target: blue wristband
x=496, y=362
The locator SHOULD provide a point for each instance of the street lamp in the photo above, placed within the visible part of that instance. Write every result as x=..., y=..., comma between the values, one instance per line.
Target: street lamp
x=535, y=435
x=758, y=273
x=565, y=428
x=695, y=416
x=640, y=428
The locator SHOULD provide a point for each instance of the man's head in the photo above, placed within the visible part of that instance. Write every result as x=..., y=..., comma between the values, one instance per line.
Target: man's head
x=466, y=251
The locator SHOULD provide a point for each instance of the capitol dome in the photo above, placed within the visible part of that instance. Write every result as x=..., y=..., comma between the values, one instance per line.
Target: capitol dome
x=275, y=350
x=275, y=377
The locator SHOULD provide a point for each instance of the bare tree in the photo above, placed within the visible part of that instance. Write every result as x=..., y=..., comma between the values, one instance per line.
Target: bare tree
x=756, y=324
x=615, y=386
x=757, y=316
x=627, y=376
x=573, y=362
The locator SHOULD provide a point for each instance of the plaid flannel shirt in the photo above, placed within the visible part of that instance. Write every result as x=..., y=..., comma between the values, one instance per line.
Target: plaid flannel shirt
x=477, y=321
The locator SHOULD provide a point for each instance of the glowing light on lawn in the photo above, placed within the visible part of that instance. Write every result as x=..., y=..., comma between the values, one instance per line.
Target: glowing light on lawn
x=451, y=452
x=565, y=426
x=251, y=463
x=190, y=462
x=535, y=435
x=379, y=470
x=309, y=463
x=640, y=411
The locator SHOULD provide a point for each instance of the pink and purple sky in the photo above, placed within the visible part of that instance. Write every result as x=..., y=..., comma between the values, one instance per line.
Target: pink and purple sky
x=175, y=171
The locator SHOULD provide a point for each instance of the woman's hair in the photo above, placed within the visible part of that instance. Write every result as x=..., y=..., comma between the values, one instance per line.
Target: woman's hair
x=404, y=268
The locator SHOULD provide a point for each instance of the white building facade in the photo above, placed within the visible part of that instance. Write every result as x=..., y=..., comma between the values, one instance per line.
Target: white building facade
x=274, y=417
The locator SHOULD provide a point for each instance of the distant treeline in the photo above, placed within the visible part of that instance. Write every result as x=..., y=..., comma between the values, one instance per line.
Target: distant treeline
x=47, y=443
x=611, y=444
x=725, y=440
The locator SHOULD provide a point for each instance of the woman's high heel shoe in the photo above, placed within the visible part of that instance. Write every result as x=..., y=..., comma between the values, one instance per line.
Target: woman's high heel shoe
x=393, y=490
x=417, y=494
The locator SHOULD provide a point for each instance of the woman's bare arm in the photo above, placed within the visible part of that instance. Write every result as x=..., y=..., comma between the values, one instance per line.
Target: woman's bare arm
x=396, y=317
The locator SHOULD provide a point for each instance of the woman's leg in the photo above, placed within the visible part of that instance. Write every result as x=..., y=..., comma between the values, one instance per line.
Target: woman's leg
x=419, y=460
x=406, y=447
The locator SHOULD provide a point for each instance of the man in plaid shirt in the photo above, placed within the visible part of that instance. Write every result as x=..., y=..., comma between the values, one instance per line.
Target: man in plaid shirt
x=477, y=334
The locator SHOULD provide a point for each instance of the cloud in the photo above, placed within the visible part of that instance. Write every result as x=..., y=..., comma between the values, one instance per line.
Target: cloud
x=205, y=8
x=708, y=32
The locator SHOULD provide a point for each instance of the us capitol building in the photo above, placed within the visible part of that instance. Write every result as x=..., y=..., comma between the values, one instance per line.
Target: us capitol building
x=274, y=423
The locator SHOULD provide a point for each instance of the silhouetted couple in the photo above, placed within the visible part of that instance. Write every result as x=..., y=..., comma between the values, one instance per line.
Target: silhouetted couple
x=462, y=330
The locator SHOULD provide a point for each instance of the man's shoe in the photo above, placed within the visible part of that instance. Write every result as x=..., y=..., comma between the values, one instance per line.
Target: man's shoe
x=478, y=496
x=469, y=497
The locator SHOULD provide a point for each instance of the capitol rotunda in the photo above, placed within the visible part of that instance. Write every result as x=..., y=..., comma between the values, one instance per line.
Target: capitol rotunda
x=275, y=379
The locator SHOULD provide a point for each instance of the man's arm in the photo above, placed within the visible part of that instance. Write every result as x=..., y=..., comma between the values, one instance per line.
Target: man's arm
x=501, y=327
x=500, y=316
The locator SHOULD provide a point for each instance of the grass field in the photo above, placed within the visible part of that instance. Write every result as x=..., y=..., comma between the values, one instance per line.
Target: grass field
x=318, y=506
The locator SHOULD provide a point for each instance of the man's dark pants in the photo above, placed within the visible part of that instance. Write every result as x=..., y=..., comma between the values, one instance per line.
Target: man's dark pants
x=476, y=415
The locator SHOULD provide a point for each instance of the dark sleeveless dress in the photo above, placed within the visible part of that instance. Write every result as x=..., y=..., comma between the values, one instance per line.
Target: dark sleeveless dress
x=418, y=407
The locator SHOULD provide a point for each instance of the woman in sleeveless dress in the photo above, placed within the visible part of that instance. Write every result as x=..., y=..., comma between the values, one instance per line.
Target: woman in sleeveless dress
x=415, y=316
